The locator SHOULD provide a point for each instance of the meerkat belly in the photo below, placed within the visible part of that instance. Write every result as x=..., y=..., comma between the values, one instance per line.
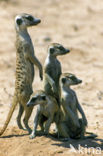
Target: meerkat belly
x=45, y=112
x=55, y=77
x=72, y=105
x=30, y=72
x=55, y=72
x=23, y=73
x=30, y=64
x=70, y=101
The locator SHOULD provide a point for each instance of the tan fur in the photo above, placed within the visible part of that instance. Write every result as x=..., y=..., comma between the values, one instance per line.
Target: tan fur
x=25, y=60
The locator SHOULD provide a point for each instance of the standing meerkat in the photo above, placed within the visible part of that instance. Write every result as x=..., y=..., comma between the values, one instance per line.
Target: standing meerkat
x=70, y=124
x=47, y=111
x=52, y=69
x=25, y=61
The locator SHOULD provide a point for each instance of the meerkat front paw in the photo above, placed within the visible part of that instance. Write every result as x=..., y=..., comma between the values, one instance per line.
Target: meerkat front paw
x=41, y=75
x=32, y=136
x=85, y=121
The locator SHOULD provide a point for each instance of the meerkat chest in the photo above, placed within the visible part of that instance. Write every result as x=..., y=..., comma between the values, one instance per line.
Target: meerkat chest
x=70, y=99
x=46, y=109
x=53, y=67
x=24, y=43
x=57, y=67
x=23, y=65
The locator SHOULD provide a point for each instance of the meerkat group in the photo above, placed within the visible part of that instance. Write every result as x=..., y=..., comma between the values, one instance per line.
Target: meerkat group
x=57, y=102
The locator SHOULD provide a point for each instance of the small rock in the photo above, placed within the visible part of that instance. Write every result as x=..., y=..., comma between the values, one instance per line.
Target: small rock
x=47, y=39
x=100, y=95
x=75, y=27
x=1, y=105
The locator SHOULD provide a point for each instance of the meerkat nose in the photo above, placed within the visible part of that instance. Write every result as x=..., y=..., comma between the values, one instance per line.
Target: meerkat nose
x=39, y=20
x=80, y=81
x=67, y=50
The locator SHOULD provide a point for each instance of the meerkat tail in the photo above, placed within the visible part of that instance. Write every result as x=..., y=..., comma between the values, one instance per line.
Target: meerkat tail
x=14, y=103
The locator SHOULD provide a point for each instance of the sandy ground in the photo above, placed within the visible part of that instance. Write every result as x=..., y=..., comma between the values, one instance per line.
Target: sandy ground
x=78, y=25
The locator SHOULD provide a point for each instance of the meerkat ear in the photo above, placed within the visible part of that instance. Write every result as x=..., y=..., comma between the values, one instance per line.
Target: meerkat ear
x=19, y=21
x=52, y=50
x=63, y=80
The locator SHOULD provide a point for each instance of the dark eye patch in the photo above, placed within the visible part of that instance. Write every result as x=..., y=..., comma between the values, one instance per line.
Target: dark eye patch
x=72, y=77
x=30, y=18
x=33, y=99
x=61, y=48
x=43, y=97
x=63, y=80
x=52, y=50
x=19, y=21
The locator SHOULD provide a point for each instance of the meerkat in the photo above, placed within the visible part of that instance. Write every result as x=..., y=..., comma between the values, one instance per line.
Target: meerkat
x=25, y=61
x=47, y=111
x=70, y=126
x=52, y=69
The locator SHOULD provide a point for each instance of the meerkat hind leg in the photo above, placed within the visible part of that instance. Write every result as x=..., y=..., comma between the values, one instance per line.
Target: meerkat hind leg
x=28, y=112
x=82, y=128
x=63, y=131
x=21, y=110
x=82, y=131
x=47, y=125
x=42, y=120
x=36, y=122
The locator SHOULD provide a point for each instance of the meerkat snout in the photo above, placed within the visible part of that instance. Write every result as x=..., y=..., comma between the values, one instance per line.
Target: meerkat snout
x=67, y=50
x=36, y=21
x=79, y=81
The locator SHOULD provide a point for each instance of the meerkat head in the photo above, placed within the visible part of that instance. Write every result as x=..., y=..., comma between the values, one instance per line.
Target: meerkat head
x=23, y=21
x=68, y=79
x=56, y=49
x=38, y=98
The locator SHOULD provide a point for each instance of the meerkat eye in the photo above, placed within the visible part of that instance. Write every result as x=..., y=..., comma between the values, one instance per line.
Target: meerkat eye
x=63, y=80
x=72, y=77
x=61, y=48
x=33, y=99
x=19, y=21
x=43, y=97
x=52, y=50
x=30, y=18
